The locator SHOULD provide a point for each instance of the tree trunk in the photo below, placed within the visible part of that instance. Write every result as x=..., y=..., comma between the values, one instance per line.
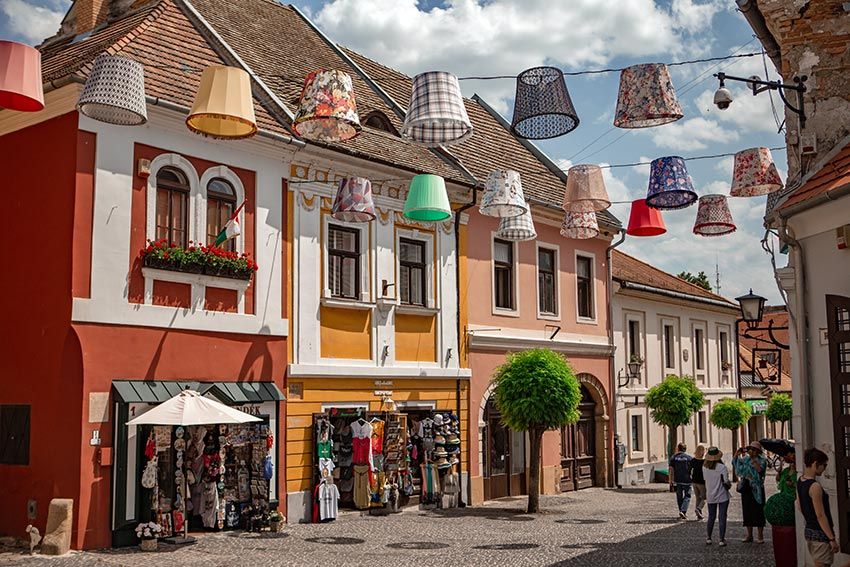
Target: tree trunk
x=535, y=440
x=672, y=440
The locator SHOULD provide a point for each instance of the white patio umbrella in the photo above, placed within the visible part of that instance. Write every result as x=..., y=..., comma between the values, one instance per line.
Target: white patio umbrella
x=191, y=408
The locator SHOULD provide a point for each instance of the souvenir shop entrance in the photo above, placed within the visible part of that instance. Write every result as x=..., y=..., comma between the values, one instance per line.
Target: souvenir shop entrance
x=504, y=457
x=206, y=477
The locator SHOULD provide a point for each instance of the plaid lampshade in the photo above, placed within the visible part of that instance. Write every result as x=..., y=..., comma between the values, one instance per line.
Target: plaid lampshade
x=646, y=98
x=20, y=77
x=755, y=173
x=585, y=189
x=580, y=226
x=713, y=216
x=503, y=196
x=517, y=228
x=542, y=105
x=223, y=106
x=644, y=220
x=436, y=115
x=115, y=91
x=327, y=111
x=353, y=201
x=670, y=186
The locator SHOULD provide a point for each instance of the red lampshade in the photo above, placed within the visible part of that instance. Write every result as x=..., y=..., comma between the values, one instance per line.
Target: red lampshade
x=644, y=220
x=20, y=77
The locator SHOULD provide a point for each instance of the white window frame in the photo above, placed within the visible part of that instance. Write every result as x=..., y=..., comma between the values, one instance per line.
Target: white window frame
x=639, y=318
x=428, y=239
x=179, y=162
x=515, y=269
x=365, y=246
x=725, y=379
x=703, y=413
x=556, y=316
x=700, y=374
x=200, y=212
x=636, y=453
x=671, y=322
x=593, y=300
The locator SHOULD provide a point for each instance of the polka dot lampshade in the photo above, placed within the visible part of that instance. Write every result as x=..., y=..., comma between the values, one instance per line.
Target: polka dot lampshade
x=115, y=92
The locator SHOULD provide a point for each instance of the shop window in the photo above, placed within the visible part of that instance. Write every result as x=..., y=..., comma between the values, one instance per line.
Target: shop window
x=221, y=202
x=584, y=287
x=14, y=434
x=344, y=262
x=636, y=433
x=172, y=206
x=503, y=274
x=547, y=292
x=412, y=272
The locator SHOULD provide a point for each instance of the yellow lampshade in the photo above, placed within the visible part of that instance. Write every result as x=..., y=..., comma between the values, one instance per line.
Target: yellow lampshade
x=223, y=107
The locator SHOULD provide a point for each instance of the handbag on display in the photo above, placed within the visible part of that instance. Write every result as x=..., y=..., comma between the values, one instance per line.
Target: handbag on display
x=149, y=474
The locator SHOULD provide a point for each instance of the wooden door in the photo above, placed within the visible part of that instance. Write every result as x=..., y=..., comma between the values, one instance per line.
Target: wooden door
x=578, y=448
x=838, y=337
x=497, y=457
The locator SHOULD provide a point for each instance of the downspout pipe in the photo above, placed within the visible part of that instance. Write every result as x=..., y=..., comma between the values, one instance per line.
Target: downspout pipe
x=756, y=20
x=461, y=338
x=611, y=366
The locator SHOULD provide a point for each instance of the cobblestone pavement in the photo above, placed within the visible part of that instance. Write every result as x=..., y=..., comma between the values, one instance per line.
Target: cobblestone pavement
x=591, y=527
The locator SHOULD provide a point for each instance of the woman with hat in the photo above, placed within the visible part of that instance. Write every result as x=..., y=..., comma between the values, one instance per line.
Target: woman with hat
x=751, y=467
x=717, y=496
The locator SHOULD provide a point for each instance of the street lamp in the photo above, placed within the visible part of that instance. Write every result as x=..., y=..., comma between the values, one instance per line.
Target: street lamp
x=633, y=373
x=752, y=308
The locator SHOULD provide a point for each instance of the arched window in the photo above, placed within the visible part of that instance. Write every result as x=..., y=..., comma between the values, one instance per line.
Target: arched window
x=221, y=202
x=379, y=121
x=172, y=206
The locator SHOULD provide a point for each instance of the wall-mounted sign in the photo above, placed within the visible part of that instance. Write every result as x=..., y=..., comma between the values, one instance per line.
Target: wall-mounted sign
x=383, y=383
x=382, y=393
x=252, y=409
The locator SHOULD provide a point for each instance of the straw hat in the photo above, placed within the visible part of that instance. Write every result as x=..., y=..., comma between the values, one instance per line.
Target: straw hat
x=713, y=454
x=755, y=445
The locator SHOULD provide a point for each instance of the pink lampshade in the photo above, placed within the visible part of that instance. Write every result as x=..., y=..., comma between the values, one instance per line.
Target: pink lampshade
x=20, y=77
x=580, y=226
x=754, y=174
x=585, y=190
x=646, y=98
x=713, y=216
x=644, y=220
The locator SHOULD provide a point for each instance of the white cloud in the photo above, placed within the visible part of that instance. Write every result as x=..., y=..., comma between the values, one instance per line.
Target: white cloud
x=30, y=22
x=691, y=134
x=725, y=165
x=695, y=17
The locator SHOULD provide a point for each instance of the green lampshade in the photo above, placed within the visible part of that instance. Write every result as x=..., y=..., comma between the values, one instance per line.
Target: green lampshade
x=427, y=199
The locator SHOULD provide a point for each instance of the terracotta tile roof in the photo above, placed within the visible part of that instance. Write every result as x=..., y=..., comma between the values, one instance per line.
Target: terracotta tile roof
x=629, y=269
x=834, y=174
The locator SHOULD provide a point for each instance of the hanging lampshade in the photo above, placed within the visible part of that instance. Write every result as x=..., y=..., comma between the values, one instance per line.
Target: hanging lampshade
x=646, y=98
x=427, y=199
x=755, y=173
x=436, y=115
x=580, y=226
x=503, y=196
x=644, y=220
x=670, y=186
x=353, y=201
x=713, y=216
x=327, y=111
x=542, y=105
x=518, y=228
x=20, y=77
x=115, y=92
x=585, y=189
x=224, y=106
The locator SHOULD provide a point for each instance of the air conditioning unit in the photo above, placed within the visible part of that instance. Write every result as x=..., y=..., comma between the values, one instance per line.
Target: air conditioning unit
x=842, y=237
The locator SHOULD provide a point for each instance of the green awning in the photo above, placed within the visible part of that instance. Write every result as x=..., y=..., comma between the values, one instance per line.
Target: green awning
x=757, y=407
x=233, y=393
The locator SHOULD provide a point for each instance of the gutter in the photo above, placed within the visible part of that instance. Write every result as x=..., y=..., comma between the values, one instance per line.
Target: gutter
x=756, y=20
x=611, y=365
x=797, y=208
x=676, y=294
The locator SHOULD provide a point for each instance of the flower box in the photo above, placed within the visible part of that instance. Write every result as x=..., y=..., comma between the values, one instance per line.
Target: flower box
x=209, y=260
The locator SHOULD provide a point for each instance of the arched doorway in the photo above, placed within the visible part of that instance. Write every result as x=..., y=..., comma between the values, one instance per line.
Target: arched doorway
x=578, y=447
x=504, y=456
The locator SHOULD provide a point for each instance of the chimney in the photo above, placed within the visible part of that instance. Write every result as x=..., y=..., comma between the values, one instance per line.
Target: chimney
x=88, y=14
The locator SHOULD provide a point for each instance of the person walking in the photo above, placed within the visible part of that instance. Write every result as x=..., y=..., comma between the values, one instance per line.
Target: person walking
x=751, y=467
x=717, y=485
x=814, y=505
x=680, y=478
x=697, y=480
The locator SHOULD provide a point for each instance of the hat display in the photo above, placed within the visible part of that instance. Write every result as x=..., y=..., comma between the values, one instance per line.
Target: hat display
x=585, y=190
x=327, y=111
x=670, y=185
x=438, y=419
x=580, y=226
x=646, y=97
x=439, y=440
x=755, y=174
x=436, y=115
x=353, y=201
x=713, y=216
x=503, y=196
x=115, y=91
x=542, y=105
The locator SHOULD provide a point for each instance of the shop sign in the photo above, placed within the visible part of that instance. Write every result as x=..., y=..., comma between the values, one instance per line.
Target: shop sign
x=380, y=383
x=381, y=393
x=252, y=409
x=757, y=407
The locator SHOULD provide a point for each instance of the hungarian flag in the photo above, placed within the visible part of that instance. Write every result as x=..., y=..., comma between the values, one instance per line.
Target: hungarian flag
x=231, y=228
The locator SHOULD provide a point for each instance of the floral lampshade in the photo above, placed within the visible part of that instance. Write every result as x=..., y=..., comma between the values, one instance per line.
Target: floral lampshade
x=20, y=77
x=115, y=92
x=327, y=111
x=644, y=220
x=670, y=186
x=224, y=106
x=713, y=216
x=436, y=115
x=646, y=98
x=517, y=229
x=503, y=196
x=580, y=226
x=755, y=173
x=427, y=199
x=542, y=105
x=585, y=189
x=353, y=201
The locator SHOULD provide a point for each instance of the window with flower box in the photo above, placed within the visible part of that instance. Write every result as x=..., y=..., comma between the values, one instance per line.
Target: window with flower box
x=221, y=202
x=172, y=206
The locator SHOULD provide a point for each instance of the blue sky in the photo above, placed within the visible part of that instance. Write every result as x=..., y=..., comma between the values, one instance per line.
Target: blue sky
x=496, y=37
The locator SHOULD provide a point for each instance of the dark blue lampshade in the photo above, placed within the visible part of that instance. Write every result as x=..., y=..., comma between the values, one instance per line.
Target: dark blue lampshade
x=670, y=186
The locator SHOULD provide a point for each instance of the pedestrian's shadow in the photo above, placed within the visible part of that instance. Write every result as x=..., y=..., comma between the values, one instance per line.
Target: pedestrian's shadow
x=487, y=512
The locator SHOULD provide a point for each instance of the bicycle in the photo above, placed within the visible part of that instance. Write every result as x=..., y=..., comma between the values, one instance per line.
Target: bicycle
x=774, y=461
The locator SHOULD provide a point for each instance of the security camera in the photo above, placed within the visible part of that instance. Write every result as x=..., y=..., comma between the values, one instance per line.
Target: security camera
x=723, y=98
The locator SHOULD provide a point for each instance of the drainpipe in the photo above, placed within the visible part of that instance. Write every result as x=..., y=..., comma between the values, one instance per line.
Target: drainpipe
x=611, y=369
x=460, y=337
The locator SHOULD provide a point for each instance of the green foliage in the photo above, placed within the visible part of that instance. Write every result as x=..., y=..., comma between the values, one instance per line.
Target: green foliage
x=537, y=389
x=674, y=400
x=700, y=279
x=779, y=509
x=730, y=413
x=780, y=407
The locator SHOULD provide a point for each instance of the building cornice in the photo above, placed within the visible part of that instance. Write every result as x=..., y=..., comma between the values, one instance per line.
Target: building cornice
x=572, y=346
x=369, y=371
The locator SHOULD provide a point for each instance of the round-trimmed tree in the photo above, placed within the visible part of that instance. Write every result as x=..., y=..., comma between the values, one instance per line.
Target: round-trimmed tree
x=731, y=414
x=780, y=408
x=672, y=403
x=536, y=390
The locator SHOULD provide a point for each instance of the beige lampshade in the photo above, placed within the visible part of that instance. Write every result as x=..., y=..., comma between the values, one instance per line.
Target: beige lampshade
x=585, y=190
x=223, y=107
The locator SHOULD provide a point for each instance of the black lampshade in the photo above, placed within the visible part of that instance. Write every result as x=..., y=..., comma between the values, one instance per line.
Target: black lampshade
x=542, y=106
